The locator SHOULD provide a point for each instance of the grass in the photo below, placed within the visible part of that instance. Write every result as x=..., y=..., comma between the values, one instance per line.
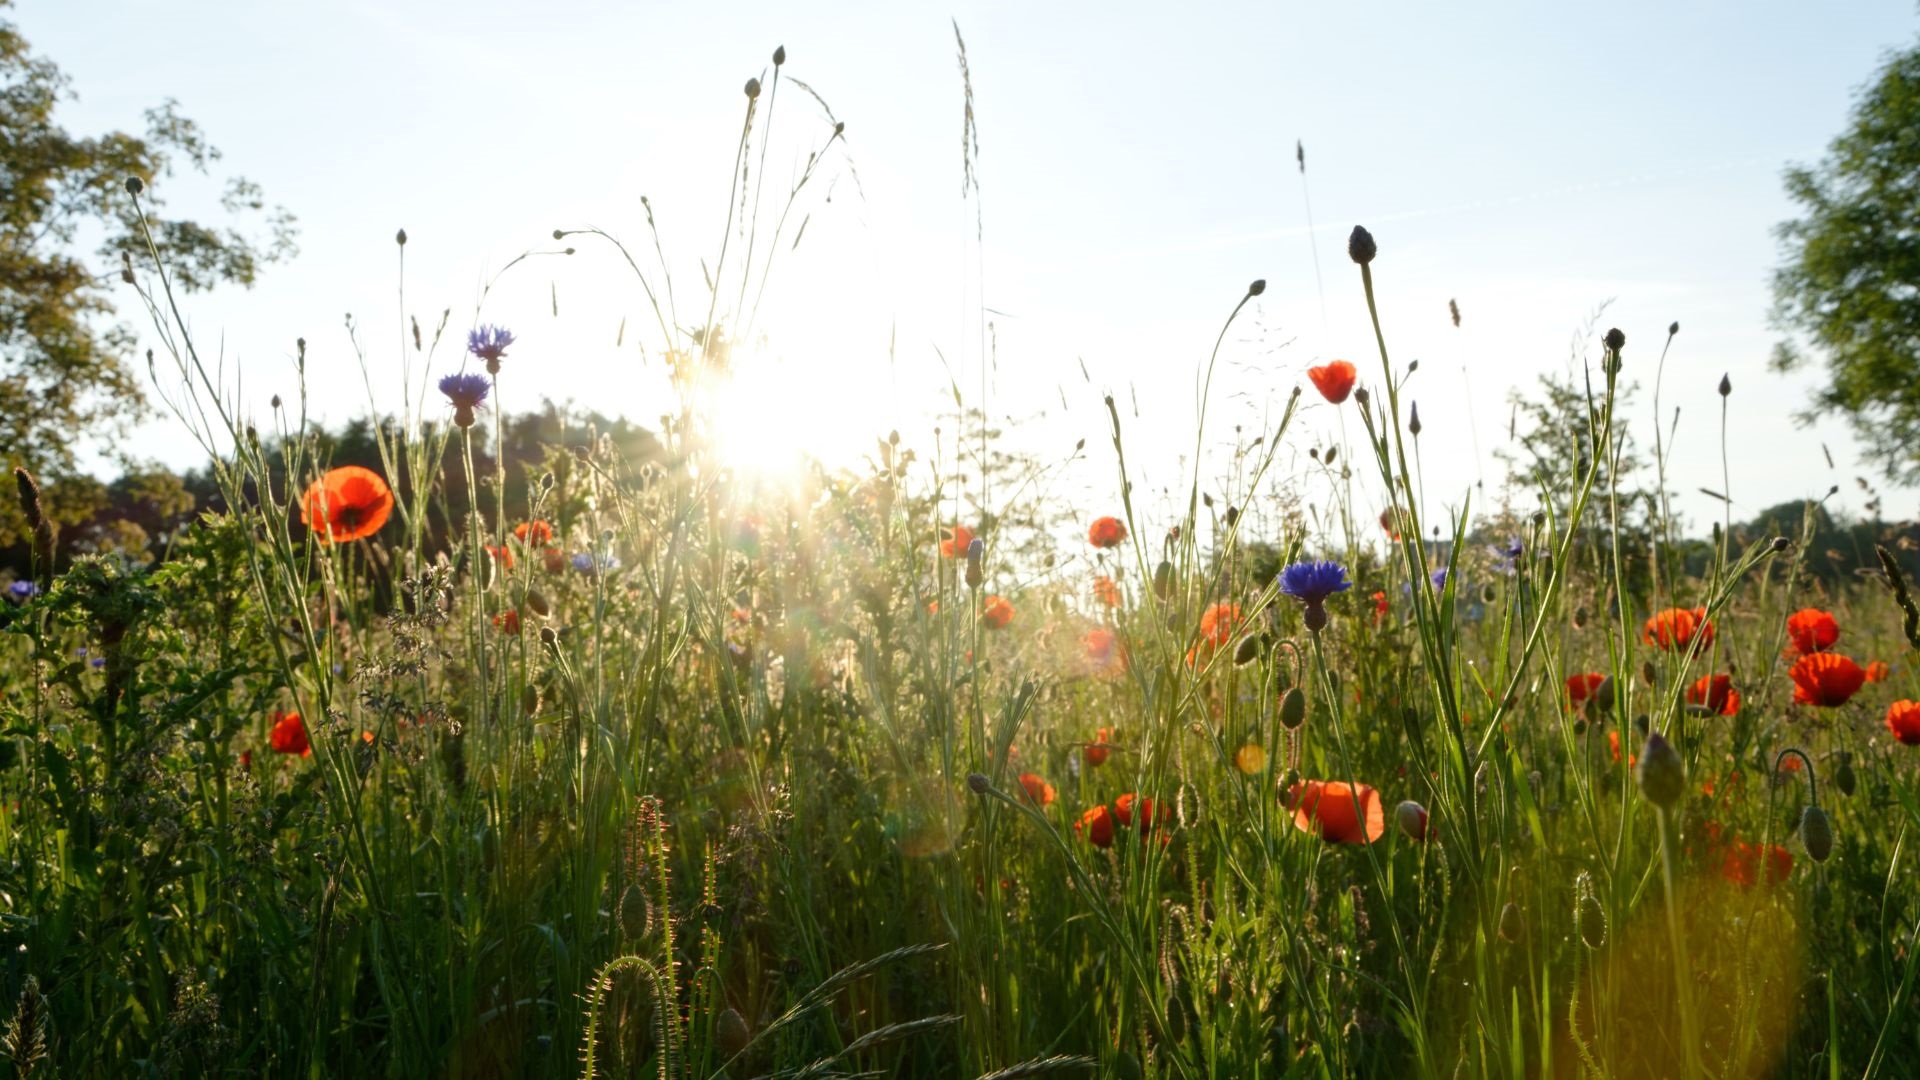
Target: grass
x=734, y=780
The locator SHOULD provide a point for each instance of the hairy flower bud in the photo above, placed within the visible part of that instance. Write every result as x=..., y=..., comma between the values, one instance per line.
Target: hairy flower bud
x=1360, y=245
x=1816, y=833
x=1293, y=708
x=1661, y=774
x=1412, y=819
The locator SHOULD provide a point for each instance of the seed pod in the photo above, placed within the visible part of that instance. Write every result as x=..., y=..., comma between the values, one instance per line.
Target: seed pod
x=1591, y=919
x=730, y=1033
x=636, y=913
x=1293, y=708
x=1248, y=652
x=1816, y=833
x=1661, y=773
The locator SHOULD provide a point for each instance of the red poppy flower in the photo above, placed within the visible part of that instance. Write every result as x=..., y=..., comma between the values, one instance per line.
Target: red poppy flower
x=1124, y=806
x=1613, y=747
x=535, y=533
x=1581, y=687
x=554, y=560
x=1334, y=381
x=289, y=735
x=1387, y=518
x=1716, y=692
x=1038, y=790
x=956, y=542
x=1811, y=630
x=347, y=503
x=508, y=621
x=1107, y=532
x=502, y=556
x=1218, y=622
x=1095, y=752
x=1379, y=606
x=1676, y=628
x=1903, y=719
x=996, y=612
x=1825, y=679
x=1877, y=671
x=1097, y=826
x=1340, y=812
x=1103, y=650
x=1105, y=591
x=1743, y=859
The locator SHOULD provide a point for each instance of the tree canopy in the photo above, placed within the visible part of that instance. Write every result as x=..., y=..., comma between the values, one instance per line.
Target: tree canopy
x=66, y=223
x=1850, y=288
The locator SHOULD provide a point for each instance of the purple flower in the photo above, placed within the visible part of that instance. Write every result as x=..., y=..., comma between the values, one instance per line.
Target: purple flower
x=588, y=563
x=21, y=591
x=1311, y=583
x=466, y=392
x=489, y=343
x=1507, y=556
x=1439, y=578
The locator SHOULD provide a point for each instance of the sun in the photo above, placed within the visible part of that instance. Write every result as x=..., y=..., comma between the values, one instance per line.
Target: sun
x=771, y=415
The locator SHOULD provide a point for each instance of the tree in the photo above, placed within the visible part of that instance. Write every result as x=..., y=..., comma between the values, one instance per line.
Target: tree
x=65, y=365
x=1851, y=283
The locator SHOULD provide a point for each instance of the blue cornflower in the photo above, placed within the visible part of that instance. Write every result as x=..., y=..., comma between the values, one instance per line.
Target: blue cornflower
x=1311, y=583
x=588, y=563
x=22, y=591
x=1439, y=578
x=489, y=343
x=1507, y=556
x=467, y=393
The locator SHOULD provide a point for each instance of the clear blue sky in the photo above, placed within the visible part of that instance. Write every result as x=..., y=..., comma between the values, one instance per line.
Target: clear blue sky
x=1137, y=171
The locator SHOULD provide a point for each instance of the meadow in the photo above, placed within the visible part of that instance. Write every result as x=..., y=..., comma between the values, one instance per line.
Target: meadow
x=602, y=759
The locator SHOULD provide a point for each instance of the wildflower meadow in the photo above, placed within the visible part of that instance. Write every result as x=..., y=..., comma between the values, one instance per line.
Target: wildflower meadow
x=532, y=742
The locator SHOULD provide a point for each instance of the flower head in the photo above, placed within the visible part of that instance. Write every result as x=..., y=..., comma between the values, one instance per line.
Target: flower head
x=489, y=343
x=346, y=503
x=1825, y=679
x=289, y=735
x=467, y=393
x=1217, y=623
x=1311, y=583
x=1097, y=826
x=1127, y=806
x=1107, y=532
x=1106, y=591
x=955, y=544
x=1341, y=813
x=1811, y=630
x=1096, y=751
x=1877, y=671
x=1104, y=654
x=1716, y=693
x=996, y=613
x=1676, y=628
x=1334, y=381
x=1903, y=719
x=1038, y=790
x=534, y=533
x=21, y=591
x=1582, y=688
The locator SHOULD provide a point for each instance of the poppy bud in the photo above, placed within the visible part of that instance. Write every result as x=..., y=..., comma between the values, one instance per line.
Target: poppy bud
x=779, y=55
x=1487, y=594
x=730, y=1034
x=753, y=93
x=1259, y=286
x=1602, y=696
x=1726, y=386
x=530, y=700
x=1661, y=774
x=1579, y=726
x=1591, y=919
x=1780, y=545
x=1412, y=819
x=1673, y=328
x=1163, y=580
x=1248, y=652
x=1360, y=245
x=135, y=185
x=537, y=603
x=1232, y=516
x=1176, y=1020
x=1126, y=1066
x=636, y=913
x=1293, y=708
x=1843, y=777
x=1579, y=618
x=1360, y=395
x=979, y=783
x=1413, y=425
x=548, y=637
x=1510, y=923
x=1615, y=340
x=1816, y=833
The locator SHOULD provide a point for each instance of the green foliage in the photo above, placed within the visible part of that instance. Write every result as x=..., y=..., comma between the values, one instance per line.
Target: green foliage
x=65, y=365
x=1850, y=286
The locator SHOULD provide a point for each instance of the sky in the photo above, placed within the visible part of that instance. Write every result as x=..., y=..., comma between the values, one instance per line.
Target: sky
x=1135, y=172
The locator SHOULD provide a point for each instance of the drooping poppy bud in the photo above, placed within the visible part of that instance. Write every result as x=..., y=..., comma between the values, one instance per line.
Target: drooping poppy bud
x=1816, y=833
x=1412, y=819
x=1661, y=773
x=1293, y=708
